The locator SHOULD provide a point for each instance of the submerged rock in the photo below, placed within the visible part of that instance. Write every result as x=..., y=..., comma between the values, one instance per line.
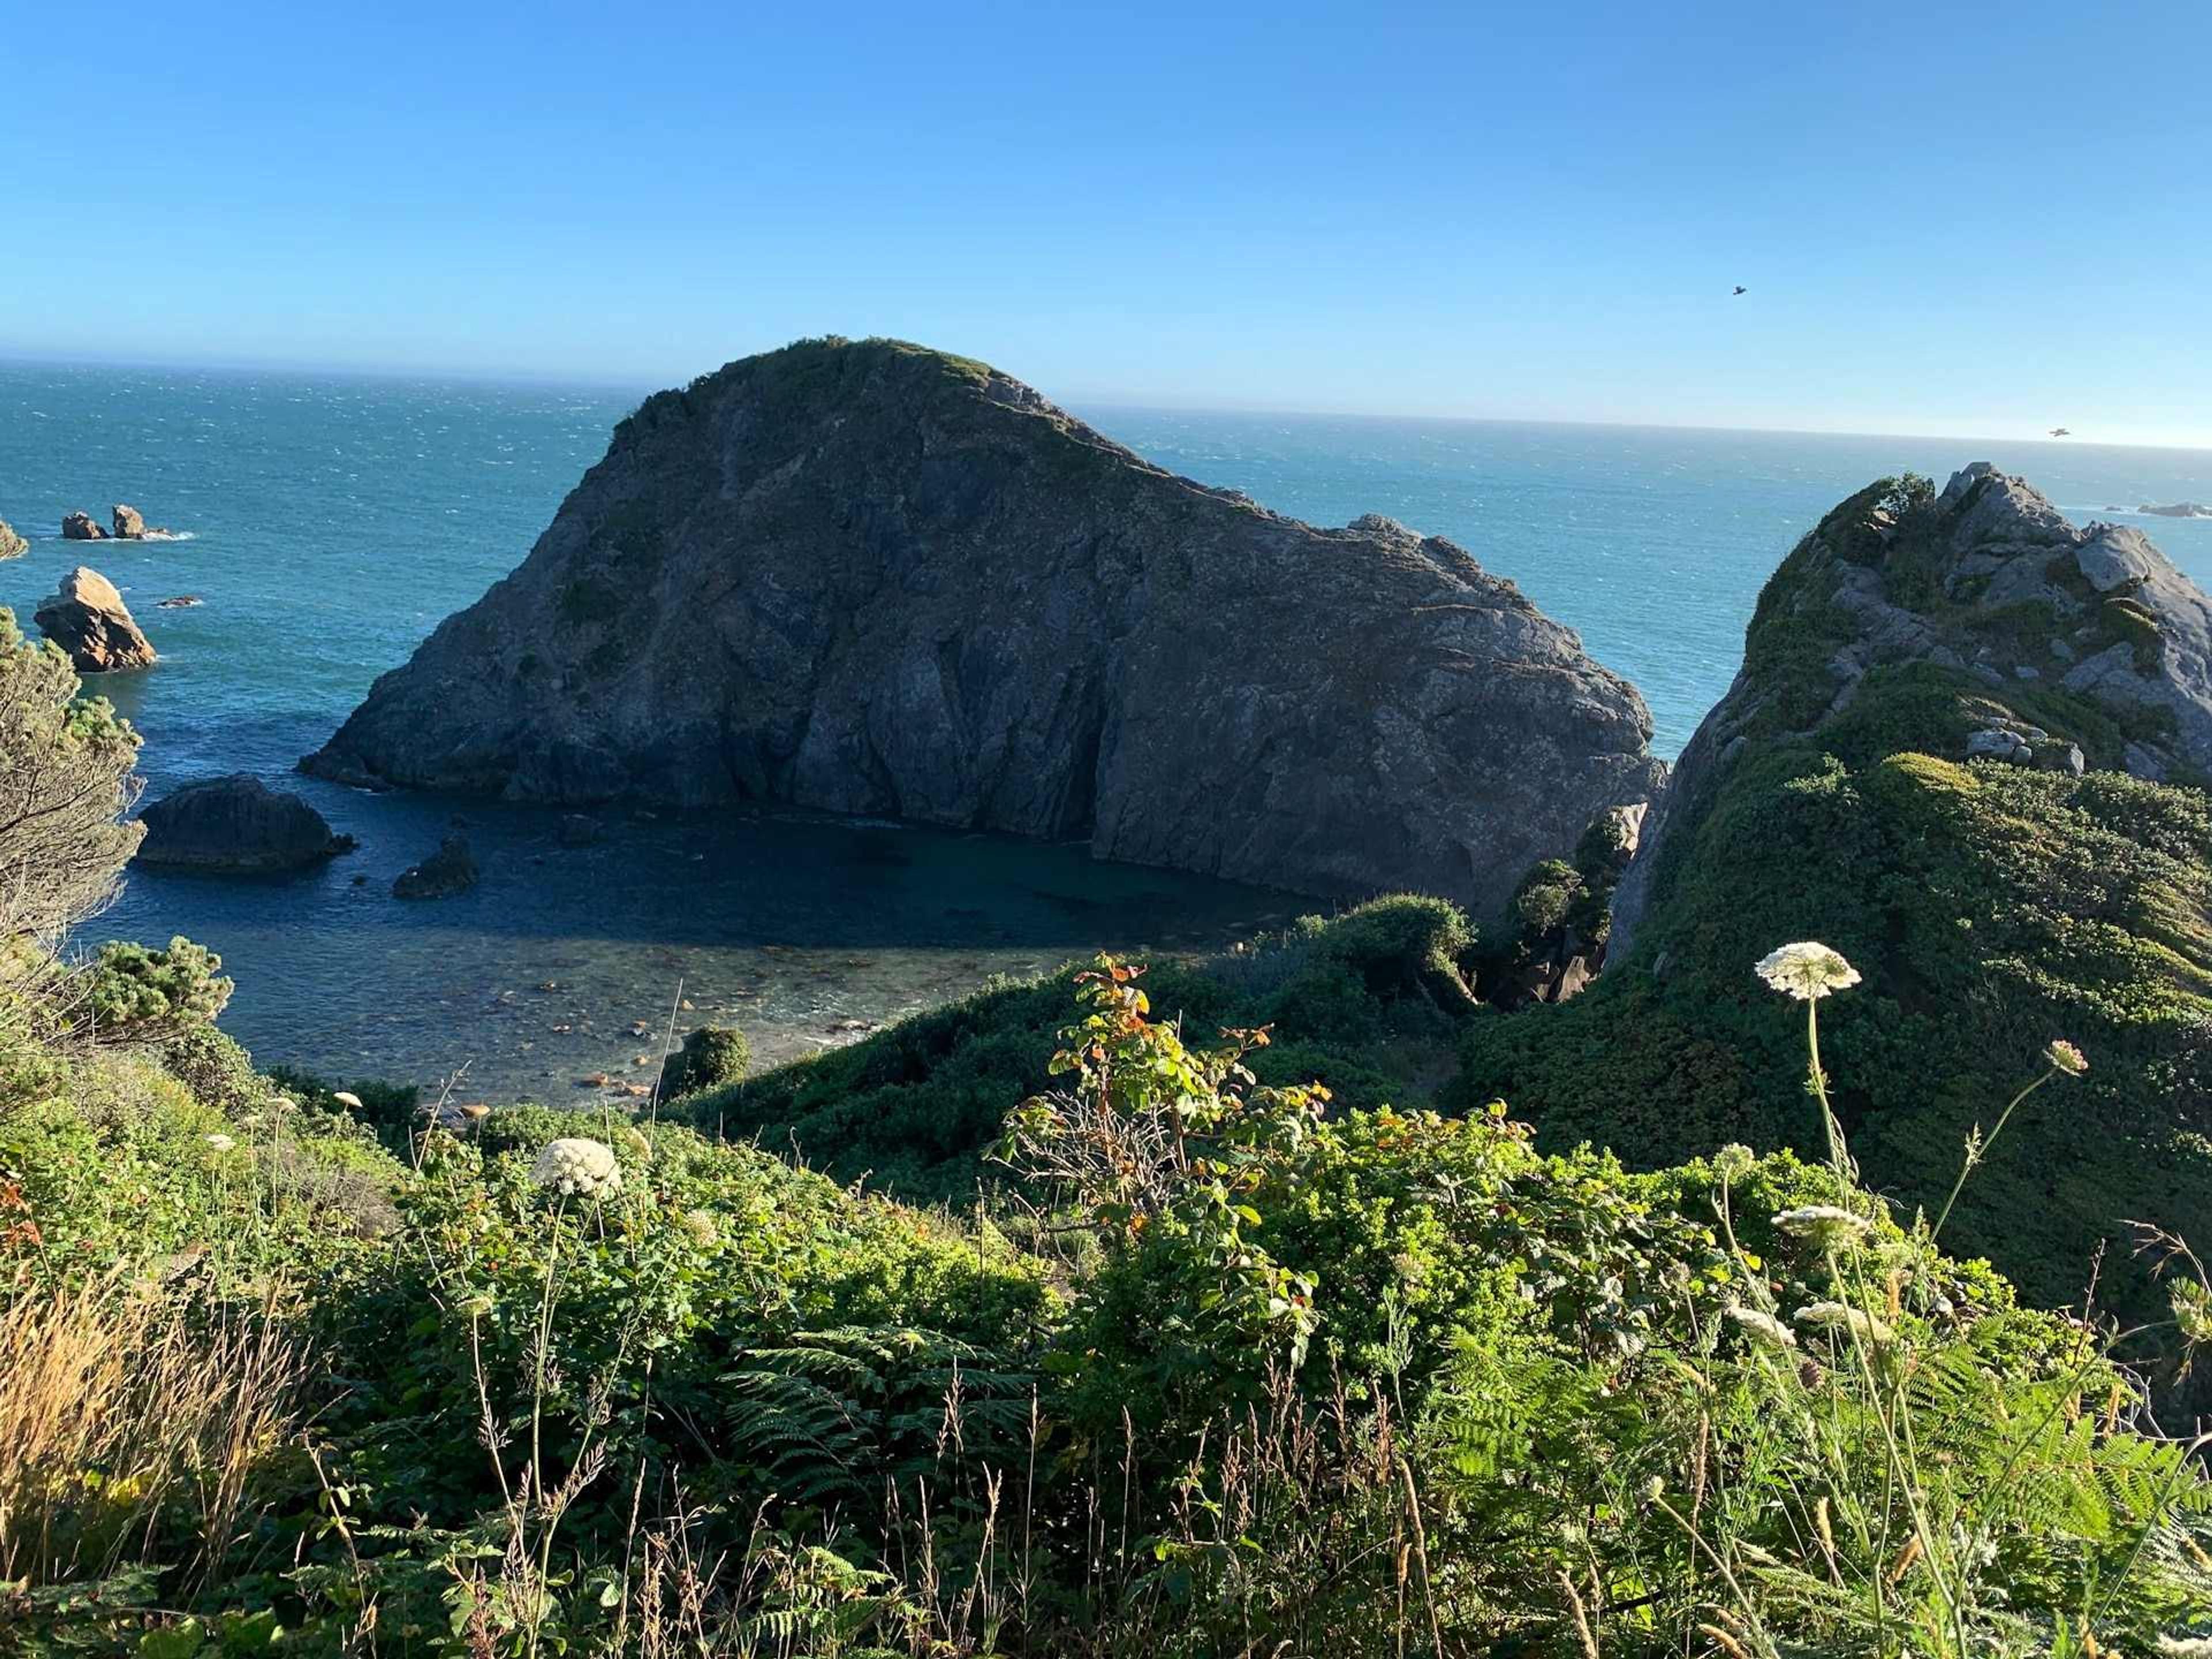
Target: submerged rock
x=239, y=825
x=82, y=527
x=451, y=869
x=86, y=618
x=12, y=546
x=875, y=579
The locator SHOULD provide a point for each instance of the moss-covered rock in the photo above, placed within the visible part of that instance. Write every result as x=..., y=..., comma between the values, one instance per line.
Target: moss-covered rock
x=712, y=1057
x=1992, y=907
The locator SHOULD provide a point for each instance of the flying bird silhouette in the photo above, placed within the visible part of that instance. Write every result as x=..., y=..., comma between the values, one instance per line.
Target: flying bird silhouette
x=2060, y=432
x=1740, y=289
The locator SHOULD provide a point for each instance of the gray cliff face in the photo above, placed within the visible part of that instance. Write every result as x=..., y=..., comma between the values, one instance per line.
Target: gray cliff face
x=873, y=579
x=2035, y=620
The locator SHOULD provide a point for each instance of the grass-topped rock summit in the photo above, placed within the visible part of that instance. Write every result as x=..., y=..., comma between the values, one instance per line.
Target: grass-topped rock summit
x=870, y=578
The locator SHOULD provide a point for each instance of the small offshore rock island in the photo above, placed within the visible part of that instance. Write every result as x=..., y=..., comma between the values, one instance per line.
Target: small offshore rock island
x=874, y=579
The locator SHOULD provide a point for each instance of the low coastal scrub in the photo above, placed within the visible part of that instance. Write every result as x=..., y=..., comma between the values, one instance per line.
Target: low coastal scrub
x=1366, y=1003
x=1265, y=1374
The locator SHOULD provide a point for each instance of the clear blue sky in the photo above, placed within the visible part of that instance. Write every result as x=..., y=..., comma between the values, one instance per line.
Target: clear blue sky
x=1971, y=220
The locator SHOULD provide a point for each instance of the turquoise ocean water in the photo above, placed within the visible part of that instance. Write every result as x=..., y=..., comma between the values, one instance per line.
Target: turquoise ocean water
x=327, y=524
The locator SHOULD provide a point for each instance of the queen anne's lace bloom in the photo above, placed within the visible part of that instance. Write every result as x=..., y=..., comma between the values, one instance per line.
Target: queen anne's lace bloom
x=1734, y=1162
x=2185, y=1647
x=2067, y=1058
x=1835, y=1317
x=1823, y=1225
x=1763, y=1328
x=1807, y=971
x=581, y=1168
x=221, y=1143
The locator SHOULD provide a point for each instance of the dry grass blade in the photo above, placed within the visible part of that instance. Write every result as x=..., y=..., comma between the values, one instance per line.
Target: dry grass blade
x=122, y=1410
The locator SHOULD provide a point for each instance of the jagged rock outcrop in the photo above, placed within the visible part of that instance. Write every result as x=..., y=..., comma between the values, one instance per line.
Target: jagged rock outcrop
x=86, y=618
x=451, y=869
x=2178, y=510
x=1987, y=581
x=873, y=579
x=82, y=527
x=12, y=546
x=237, y=825
x=128, y=525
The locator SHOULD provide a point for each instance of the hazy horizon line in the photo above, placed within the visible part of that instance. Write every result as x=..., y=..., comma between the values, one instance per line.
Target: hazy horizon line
x=544, y=380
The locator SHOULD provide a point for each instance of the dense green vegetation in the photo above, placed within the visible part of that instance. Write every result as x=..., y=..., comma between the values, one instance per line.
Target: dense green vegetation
x=1366, y=1004
x=1371, y=1382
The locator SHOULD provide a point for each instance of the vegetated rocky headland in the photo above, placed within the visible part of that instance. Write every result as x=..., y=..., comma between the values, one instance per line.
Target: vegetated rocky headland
x=1968, y=749
x=873, y=579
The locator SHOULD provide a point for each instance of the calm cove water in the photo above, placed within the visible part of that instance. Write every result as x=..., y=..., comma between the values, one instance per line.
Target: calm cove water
x=327, y=524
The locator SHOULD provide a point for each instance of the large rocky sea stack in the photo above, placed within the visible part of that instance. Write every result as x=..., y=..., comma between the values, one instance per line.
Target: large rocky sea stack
x=870, y=578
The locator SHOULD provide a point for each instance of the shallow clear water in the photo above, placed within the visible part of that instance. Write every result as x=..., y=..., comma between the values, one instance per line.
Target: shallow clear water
x=331, y=523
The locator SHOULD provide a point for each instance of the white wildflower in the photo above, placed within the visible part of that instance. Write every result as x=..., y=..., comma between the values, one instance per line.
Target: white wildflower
x=1734, y=1162
x=221, y=1143
x=583, y=1167
x=1824, y=1225
x=346, y=1098
x=1835, y=1317
x=2065, y=1057
x=1763, y=1329
x=1807, y=971
x=2185, y=1647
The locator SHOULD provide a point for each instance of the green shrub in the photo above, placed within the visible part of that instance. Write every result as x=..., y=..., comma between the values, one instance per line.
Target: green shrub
x=137, y=995
x=64, y=843
x=1993, y=908
x=712, y=1057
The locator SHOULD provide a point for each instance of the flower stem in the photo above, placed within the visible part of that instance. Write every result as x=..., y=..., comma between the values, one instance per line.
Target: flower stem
x=1976, y=1155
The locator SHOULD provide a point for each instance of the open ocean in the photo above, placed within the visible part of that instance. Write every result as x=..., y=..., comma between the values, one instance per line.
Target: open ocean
x=327, y=524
